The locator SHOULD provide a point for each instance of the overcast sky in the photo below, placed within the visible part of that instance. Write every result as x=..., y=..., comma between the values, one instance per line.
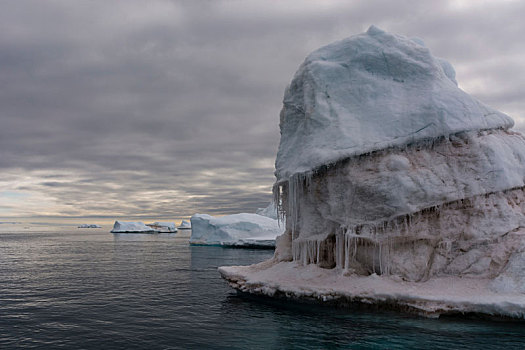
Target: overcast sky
x=166, y=108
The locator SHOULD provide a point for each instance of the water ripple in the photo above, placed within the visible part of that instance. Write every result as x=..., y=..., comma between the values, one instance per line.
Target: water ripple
x=95, y=290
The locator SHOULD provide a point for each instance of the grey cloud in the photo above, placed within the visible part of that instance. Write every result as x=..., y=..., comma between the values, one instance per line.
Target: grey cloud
x=166, y=109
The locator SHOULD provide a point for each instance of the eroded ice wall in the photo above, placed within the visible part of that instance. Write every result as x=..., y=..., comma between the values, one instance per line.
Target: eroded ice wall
x=412, y=212
x=385, y=184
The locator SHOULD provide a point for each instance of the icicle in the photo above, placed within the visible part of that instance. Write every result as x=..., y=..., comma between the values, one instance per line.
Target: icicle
x=380, y=260
x=347, y=250
x=340, y=246
x=373, y=260
x=338, y=254
x=356, y=241
x=318, y=251
x=277, y=191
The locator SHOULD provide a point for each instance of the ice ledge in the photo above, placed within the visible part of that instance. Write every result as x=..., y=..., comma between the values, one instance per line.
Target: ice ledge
x=433, y=298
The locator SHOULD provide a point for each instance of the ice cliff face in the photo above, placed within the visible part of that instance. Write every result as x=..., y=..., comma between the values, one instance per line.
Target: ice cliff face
x=385, y=166
x=370, y=92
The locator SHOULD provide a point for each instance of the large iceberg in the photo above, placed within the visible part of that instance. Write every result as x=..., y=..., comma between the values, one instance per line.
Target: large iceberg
x=398, y=188
x=131, y=227
x=237, y=230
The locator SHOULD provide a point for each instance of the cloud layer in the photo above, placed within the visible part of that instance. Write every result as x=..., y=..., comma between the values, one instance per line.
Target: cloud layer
x=165, y=108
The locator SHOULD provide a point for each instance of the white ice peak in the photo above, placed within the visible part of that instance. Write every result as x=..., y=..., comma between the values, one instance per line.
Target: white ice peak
x=369, y=92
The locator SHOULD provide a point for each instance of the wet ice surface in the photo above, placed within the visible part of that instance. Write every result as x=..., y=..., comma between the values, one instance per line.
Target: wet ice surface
x=76, y=288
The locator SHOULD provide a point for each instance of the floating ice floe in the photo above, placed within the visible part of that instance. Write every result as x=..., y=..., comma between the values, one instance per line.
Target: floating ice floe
x=88, y=226
x=238, y=230
x=398, y=188
x=131, y=227
x=185, y=225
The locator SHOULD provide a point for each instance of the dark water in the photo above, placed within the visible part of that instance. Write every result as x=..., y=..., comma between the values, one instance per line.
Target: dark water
x=89, y=289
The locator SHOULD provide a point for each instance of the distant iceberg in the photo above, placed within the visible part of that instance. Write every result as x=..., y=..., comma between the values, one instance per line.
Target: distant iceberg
x=88, y=226
x=131, y=227
x=237, y=230
x=163, y=227
x=185, y=225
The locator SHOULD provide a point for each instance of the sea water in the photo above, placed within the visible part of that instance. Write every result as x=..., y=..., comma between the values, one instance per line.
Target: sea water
x=63, y=287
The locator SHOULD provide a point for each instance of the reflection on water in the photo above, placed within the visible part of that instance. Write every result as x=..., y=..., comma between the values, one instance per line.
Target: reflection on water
x=96, y=290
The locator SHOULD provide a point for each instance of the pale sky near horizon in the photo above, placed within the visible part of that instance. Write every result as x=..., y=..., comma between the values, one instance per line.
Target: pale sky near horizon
x=167, y=108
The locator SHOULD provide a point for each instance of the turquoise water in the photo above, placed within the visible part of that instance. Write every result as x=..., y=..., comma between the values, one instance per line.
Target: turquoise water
x=89, y=289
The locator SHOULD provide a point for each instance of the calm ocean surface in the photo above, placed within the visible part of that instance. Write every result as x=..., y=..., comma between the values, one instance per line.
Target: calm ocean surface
x=89, y=289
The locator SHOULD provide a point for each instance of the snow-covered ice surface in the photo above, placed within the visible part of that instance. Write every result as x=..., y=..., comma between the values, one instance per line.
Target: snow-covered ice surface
x=369, y=92
x=131, y=227
x=185, y=225
x=433, y=298
x=244, y=229
x=397, y=187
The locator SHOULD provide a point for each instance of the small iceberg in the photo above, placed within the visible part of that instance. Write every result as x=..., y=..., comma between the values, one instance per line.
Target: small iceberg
x=237, y=230
x=131, y=227
x=185, y=225
x=89, y=226
x=163, y=227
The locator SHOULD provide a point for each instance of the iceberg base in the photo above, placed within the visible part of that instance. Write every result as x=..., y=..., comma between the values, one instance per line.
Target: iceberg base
x=439, y=296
